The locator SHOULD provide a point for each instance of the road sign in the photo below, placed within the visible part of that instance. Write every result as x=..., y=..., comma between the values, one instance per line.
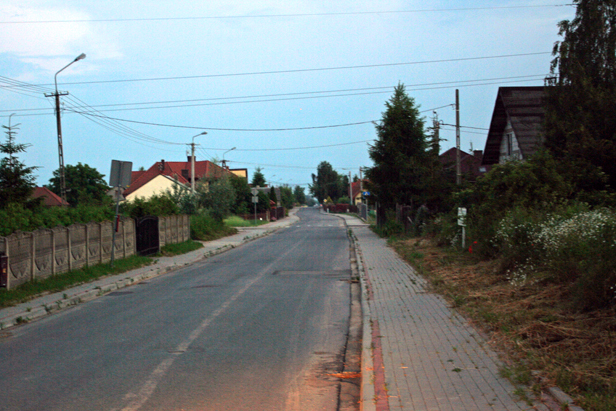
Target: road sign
x=462, y=216
x=255, y=200
x=120, y=173
x=254, y=191
x=366, y=193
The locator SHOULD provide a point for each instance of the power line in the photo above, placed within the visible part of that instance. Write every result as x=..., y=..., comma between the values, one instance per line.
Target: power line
x=324, y=14
x=311, y=93
x=255, y=73
x=294, y=148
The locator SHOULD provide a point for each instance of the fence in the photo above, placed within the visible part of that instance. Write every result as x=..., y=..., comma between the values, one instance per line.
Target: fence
x=46, y=252
x=340, y=208
x=277, y=213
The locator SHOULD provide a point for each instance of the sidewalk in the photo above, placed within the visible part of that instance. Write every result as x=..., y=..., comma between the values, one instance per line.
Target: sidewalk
x=49, y=303
x=418, y=353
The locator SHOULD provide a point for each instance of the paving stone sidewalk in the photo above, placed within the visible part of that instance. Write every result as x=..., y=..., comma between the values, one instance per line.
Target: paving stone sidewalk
x=430, y=357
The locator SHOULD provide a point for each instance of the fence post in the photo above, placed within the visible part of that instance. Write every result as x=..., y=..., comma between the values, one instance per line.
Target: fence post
x=8, y=263
x=87, y=245
x=69, y=248
x=123, y=238
x=32, y=257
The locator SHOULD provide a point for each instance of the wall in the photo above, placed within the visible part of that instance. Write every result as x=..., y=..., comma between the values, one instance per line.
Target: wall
x=45, y=252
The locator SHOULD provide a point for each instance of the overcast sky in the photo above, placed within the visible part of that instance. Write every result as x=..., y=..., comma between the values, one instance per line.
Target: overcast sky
x=258, y=75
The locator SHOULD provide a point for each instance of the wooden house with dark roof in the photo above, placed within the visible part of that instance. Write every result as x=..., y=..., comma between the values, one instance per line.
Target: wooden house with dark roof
x=515, y=129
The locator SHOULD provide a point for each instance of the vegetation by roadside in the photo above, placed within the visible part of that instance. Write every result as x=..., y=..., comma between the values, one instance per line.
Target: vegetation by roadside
x=204, y=227
x=63, y=281
x=182, y=248
x=547, y=339
x=235, y=221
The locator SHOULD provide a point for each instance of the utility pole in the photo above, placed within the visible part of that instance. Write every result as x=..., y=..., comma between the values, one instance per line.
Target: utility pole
x=436, y=139
x=192, y=162
x=458, y=167
x=59, y=126
x=350, y=189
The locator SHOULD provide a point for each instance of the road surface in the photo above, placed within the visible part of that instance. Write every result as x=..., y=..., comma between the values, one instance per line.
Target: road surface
x=259, y=327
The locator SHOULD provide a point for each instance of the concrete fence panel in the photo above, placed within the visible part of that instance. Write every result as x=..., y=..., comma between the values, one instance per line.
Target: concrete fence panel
x=43, y=253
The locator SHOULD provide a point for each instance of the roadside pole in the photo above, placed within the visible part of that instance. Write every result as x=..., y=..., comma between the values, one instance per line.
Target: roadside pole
x=255, y=200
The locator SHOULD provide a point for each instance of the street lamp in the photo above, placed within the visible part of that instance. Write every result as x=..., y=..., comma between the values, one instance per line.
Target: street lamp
x=59, y=125
x=192, y=162
x=224, y=162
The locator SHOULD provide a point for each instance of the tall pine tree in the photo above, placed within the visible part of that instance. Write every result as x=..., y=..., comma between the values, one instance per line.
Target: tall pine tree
x=399, y=154
x=16, y=180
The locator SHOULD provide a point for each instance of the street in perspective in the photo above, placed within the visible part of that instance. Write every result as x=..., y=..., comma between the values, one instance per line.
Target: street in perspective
x=259, y=327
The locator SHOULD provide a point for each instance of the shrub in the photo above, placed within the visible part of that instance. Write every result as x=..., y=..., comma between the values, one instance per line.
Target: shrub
x=205, y=227
x=577, y=248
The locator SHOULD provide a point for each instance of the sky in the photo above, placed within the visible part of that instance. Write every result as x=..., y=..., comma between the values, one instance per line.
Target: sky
x=280, y=85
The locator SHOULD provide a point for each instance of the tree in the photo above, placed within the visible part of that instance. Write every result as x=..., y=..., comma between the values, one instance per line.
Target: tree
x=299, y=194
x=399, y=154
x=580, y=124
x=85, y=185
x=258, y=179
x=218, y=196
x=243, y=196
x=16, y=180
x=326, y=183
x=287, y=197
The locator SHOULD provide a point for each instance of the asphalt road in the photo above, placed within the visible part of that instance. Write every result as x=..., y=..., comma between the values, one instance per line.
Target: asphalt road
x=256, y=328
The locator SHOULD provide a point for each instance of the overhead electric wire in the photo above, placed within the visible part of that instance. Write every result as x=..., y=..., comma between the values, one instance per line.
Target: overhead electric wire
x=252, y=16
x=363, y=66
x=527, y=78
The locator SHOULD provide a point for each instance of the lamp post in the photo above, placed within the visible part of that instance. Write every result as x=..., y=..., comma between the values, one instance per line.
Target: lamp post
x=192, y=162
x=224, y=162
x=59, y=125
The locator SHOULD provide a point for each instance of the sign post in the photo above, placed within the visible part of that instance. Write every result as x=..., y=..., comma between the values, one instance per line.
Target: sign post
x=462, y=223
x=118, y=178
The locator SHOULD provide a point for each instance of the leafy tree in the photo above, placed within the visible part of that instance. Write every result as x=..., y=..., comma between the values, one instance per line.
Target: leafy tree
x=287, y=197
x=580, y=124
x=16, y=180
x=326, y=183
x=84, y=185
x=217, y=196
x=258, y=179
x=272, y=195
x=243, y=196
x=399, y=154
x=299, y=194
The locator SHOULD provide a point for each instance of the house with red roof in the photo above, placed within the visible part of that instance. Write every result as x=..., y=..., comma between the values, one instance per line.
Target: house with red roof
x=49, y=198
x=356, y=191
x=164, y=175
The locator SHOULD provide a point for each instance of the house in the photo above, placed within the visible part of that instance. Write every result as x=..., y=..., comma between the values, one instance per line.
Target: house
x=240, y=172
x=164, y=175
x=470, y=164
x=356, y=192
x=515, y=129
x=50, y=199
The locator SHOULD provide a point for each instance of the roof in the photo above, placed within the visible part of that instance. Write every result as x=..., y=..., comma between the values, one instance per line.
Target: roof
x=469, y=163
x=524, y=107
x=50, y=199
x=179, y=170
x=356, y=188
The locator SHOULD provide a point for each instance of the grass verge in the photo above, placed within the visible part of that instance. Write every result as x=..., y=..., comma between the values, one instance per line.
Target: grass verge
x=547, y=341
x=235, y=221
x=170, y=250
x=63, y=281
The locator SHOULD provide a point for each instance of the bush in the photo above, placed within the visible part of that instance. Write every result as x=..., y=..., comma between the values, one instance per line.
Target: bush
x=205, y=227
x=576, y=247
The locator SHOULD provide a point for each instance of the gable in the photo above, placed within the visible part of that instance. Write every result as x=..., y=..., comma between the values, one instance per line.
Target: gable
x=522, y=108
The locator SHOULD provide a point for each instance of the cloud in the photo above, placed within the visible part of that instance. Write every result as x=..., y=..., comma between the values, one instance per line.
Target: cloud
x=48, y=46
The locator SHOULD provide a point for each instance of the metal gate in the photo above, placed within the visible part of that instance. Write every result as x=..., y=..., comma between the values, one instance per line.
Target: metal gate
x=147, y=235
